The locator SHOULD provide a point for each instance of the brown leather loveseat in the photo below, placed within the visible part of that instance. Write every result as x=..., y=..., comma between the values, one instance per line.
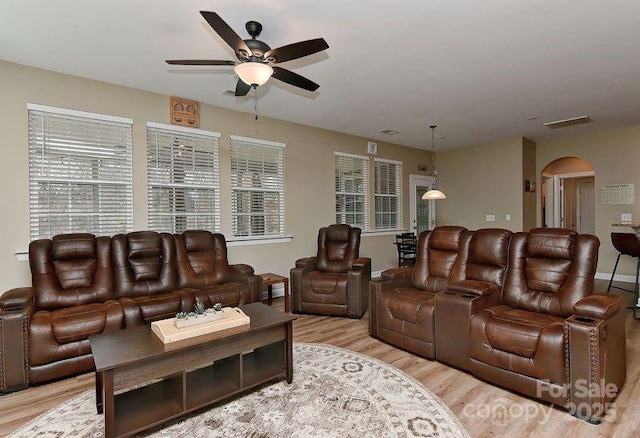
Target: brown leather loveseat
x=84, y=285
x=515, y=309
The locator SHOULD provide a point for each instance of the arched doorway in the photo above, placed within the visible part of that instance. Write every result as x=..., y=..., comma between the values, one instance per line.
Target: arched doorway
x=568, y=195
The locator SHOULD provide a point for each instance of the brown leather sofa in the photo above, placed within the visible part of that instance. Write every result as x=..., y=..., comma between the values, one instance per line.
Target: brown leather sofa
x=516, y=310
x=336, y=281
x=84, y=285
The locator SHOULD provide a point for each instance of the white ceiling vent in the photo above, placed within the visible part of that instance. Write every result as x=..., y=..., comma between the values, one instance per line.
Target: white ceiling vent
x=568, y=122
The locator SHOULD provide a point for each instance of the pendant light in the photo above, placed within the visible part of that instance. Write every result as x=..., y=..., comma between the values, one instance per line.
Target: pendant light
x=434, y=193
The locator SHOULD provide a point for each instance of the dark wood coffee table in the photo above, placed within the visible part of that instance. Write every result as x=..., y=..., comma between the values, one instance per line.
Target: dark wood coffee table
x=141, y=382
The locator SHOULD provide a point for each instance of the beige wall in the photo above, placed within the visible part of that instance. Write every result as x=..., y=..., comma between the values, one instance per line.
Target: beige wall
x=529, y=214
x=309, y=172
x=479, y=181
x=487, y=179
x=615, y=156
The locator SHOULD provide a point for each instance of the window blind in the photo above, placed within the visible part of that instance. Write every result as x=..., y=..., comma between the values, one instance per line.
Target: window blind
x=352, y=190
x=80, y=172
x=388, y=194
x=183, y=179
x=257, y=186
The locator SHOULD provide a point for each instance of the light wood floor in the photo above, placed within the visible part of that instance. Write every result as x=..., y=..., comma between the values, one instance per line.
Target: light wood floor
x=485, y=410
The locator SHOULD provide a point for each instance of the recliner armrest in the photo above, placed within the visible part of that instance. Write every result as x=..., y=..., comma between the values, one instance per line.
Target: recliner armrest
x=598, y=306
x=474, y=287
x=17, y=299
x=395, y=274
x=360, y=264
x=307, y=263
x=243, y=273
x=240, y=271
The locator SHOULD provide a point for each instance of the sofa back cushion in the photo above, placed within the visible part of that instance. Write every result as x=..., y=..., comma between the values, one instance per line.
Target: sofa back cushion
x=338, y=248
x=201, y=257
x=144, y=263
x=437, y=254
x=70, y=270
x=550, y=269
x=482, y=256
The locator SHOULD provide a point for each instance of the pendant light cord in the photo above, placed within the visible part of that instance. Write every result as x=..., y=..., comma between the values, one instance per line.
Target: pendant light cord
x=433, y=155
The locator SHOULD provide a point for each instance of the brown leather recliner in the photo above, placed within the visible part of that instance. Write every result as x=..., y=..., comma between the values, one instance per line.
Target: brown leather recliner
x=145, y=275
x=548, y=337
x=475, y=283
x=402, y=302
x=336, y=281
x=72, y=283
x=201, y=257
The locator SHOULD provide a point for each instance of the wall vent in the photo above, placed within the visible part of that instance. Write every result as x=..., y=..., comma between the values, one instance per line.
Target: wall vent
x=568, y=122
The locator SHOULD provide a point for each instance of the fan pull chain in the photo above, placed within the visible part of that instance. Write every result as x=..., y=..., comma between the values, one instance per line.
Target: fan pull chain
x=255, y=102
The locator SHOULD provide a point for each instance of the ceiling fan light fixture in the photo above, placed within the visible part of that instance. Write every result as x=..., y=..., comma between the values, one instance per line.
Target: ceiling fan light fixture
x=253, y=73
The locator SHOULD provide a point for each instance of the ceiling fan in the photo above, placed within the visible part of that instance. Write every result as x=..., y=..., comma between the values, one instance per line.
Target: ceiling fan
x=255, y=56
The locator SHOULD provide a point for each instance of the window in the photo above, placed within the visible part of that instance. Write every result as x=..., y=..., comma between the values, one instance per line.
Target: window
x=388, y=194
x=80, y=172
x=183, y=179
x=352, y=190
x=257, y=187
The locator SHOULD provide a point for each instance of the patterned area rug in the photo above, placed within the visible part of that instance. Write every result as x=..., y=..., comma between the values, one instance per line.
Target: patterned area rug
x=335, y=393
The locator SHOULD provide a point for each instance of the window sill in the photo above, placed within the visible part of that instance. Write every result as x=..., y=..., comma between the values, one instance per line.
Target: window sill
x=375, y=233
x=248, y=241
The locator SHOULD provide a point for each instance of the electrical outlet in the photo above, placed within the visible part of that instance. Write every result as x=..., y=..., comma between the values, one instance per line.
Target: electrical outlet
x=625, y=217
x=491, y=218
x=507, y=217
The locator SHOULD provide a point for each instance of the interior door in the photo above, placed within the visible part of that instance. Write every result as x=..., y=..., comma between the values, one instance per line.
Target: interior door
x=586, y=207
x=422, y=212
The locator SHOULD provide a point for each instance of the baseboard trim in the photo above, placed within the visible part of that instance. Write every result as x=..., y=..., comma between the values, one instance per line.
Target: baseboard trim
x=621, y=278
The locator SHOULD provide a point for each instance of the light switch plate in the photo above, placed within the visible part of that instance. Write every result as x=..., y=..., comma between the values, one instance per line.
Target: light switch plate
x=507, y=217
x=491, y=218
x=625, y=217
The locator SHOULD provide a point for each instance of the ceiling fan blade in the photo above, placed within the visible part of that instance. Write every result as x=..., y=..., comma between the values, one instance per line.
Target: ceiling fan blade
x=198, y=62
x=296, y=50
x=294, y=79
x=241, y=88
x=227, y=34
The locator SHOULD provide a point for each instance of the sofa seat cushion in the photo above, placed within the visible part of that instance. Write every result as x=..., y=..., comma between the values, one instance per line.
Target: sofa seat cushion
x=325, y=287
x=229, y=294
x=161, y=306
x=408, y=311
x=524, y=342
x=62, y=334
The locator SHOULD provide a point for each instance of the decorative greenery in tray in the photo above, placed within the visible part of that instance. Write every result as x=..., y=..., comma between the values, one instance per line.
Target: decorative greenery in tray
x=199, y=315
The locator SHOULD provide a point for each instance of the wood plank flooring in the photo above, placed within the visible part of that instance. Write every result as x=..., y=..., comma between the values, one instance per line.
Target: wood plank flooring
x=485, y=410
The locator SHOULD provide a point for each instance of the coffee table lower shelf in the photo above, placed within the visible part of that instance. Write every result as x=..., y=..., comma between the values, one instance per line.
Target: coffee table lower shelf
x=167, y=382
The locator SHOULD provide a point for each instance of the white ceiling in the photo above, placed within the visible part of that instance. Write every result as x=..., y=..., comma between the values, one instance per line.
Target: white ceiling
x=477, y=69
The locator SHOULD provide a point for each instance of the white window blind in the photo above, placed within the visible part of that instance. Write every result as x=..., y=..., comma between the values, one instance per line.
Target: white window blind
x=388, y=194
x=352, y=190
x=80, y=172
x=183, y=179
x=257, y=185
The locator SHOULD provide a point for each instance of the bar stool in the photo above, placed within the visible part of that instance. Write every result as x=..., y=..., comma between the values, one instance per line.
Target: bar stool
x=627, y=244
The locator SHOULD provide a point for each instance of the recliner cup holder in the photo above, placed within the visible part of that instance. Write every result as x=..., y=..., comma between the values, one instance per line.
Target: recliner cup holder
x=584, y=319
x=468, y=296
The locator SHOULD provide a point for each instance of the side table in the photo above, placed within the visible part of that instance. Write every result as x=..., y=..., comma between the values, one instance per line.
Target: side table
x=269, y=279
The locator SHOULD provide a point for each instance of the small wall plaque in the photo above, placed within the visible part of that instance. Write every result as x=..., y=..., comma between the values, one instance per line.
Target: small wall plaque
x=185, y=112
